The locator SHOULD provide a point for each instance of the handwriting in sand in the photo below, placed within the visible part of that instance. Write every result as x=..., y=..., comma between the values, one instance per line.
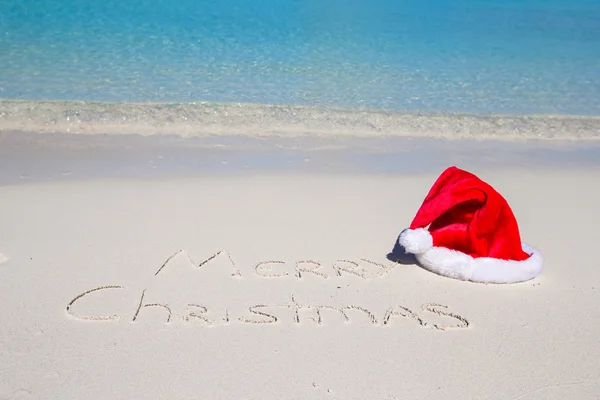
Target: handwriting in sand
x=366, y=269
x=291, y=310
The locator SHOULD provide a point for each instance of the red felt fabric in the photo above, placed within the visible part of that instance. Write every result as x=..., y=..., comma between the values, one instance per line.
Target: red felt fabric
x=466, y=214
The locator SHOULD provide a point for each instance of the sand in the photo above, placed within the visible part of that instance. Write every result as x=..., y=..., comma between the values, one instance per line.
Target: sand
x=224, y=282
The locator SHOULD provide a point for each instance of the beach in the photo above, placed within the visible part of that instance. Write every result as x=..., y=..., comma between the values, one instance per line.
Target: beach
x=248, y=267
x=370, y=200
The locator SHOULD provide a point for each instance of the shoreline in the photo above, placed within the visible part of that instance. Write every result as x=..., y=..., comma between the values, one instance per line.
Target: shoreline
x=30, y=157
x=204, y=119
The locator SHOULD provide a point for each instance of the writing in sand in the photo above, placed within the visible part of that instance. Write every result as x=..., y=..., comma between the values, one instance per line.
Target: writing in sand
x=289, y=309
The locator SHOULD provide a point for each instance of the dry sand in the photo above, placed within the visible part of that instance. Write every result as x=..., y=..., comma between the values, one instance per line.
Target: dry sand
x=264, y=285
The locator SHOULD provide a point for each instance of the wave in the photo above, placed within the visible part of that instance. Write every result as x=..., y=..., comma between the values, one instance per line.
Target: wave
x=201, y=119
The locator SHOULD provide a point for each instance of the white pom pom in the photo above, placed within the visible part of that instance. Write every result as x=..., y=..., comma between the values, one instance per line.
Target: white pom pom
x=416, y=241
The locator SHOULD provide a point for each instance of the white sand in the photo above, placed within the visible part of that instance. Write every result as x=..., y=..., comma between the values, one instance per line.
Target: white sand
x=534, y=340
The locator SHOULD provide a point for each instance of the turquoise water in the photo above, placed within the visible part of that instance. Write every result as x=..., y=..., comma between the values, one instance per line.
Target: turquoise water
x=528, y=56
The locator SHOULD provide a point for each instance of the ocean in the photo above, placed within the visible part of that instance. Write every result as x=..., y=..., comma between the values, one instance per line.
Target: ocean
x=440, y=56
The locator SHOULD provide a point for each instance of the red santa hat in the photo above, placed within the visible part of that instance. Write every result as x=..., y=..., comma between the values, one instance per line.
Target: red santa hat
x=466, y=230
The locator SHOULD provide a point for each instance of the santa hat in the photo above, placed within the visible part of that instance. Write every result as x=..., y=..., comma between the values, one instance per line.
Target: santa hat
x=466, y=230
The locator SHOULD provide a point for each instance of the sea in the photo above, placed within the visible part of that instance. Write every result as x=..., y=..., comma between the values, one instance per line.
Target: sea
x=474, y=56
x=271, y=73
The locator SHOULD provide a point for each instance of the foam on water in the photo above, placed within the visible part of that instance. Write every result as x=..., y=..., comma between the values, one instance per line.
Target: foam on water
x=204, y=119
x=494, y=56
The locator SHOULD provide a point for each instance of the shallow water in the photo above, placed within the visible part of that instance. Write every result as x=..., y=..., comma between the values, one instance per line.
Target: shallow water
x=244, y=120
x=495, y=56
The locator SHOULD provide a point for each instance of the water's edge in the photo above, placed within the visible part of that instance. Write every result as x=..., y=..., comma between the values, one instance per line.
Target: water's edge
x=28, y=157
x=201, y=119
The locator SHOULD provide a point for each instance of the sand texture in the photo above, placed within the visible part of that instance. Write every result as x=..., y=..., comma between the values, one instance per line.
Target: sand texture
x=279, y=286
